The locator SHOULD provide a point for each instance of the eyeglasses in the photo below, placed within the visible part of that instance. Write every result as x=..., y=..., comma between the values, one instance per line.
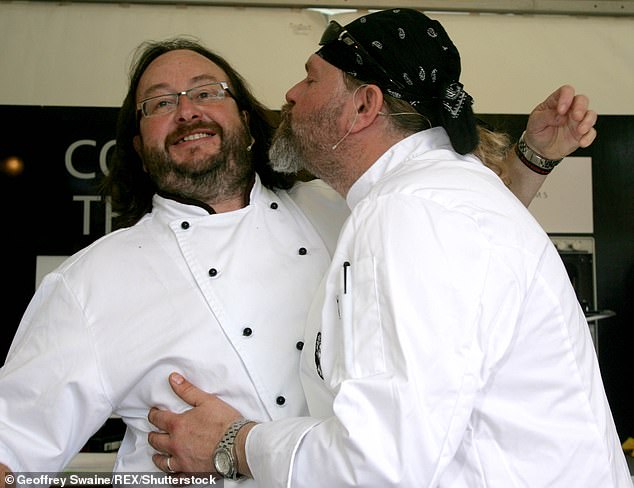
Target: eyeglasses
x=335, y=32
x=199, y=95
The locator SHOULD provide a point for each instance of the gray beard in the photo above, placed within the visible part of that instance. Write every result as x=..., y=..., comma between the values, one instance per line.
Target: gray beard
x=285, y=154
x=212, y=179
x=301, y=146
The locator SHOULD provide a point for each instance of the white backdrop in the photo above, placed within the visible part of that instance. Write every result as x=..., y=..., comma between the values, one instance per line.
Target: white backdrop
x=79, y=54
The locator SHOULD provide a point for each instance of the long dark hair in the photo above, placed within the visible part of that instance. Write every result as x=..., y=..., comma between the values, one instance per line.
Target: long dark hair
x=128, y=186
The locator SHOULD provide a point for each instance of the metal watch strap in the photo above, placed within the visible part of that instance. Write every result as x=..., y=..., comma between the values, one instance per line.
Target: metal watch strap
x=534, y=161
x=227, y=442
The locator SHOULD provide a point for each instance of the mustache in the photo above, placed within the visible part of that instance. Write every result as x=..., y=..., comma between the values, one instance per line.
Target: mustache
x=184, y=130
x=285, y=112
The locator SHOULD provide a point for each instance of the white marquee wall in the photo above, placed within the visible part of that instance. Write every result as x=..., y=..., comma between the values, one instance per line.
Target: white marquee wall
x=78, y=54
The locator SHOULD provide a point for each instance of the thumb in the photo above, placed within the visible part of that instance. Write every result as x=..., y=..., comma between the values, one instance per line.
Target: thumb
x=185, y=390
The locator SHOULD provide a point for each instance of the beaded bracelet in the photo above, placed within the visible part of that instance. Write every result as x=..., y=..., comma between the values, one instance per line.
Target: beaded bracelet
x=532, y=160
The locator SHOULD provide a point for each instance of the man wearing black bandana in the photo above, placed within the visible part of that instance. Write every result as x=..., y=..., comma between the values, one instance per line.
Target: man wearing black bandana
x=446, y=347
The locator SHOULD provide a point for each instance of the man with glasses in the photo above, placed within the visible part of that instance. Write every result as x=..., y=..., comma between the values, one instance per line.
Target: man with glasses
x=211, y=275
x=446, y=346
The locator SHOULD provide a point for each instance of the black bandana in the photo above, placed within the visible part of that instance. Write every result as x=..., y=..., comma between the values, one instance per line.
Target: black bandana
x=410, y=57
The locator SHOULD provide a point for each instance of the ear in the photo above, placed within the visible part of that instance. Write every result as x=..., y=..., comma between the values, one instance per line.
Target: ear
x=136, y=142
x=245, y=117
x=368, y=103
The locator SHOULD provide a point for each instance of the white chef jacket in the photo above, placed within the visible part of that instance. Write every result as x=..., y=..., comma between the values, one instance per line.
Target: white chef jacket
x=220, y=298
x=447, y=348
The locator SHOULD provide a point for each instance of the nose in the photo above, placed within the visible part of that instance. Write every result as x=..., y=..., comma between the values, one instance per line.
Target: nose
x=291, y=94
x=186, y=109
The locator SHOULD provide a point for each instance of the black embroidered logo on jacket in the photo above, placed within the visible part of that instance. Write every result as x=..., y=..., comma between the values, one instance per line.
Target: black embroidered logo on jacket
x=318, y=355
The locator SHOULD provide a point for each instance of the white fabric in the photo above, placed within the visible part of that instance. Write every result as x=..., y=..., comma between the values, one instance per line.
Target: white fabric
x=453, y=350
x=104, y=331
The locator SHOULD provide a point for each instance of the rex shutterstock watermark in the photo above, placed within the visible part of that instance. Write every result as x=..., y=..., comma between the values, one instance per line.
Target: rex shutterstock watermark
x=123, y=480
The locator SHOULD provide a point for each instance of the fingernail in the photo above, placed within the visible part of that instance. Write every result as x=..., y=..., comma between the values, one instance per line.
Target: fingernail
x=178, y=379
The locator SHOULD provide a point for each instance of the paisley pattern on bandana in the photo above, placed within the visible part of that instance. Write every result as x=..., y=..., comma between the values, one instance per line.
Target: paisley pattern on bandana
x=410, y=57
x=407, y=45
x=455, y=98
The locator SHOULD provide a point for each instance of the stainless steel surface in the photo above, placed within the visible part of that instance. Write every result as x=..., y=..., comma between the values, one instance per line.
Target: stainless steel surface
x=575, y=243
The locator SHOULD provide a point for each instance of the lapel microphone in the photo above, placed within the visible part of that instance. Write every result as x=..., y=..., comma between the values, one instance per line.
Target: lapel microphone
x=334, y=146
x=354, y=94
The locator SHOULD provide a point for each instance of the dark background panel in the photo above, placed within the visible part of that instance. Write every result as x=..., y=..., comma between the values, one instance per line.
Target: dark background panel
x=37, y=211
x=40, y=217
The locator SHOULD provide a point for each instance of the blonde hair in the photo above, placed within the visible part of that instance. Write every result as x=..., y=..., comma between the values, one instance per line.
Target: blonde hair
x=492, y=150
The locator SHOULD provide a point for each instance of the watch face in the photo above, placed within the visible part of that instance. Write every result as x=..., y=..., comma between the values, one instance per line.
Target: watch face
x=223, y=462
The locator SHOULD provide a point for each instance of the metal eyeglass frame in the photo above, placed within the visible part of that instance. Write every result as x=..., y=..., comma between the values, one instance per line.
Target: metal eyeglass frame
x=141, y=106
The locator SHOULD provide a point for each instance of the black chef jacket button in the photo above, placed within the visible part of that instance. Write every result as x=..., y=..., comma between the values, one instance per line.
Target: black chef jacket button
x=280, y=400
x=247, y=331
x=213, y=272
x=302, y=251
x=299, y=345
x=185, y=225
x=274, y=205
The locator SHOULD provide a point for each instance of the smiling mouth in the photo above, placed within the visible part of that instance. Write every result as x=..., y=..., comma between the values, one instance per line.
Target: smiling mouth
x=195, y=137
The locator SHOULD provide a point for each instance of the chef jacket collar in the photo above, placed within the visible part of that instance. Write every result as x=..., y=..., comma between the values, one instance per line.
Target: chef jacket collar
x=178, y=206
x=409, y=148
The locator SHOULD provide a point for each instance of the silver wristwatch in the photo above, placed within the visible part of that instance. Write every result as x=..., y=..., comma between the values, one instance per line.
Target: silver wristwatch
x=225, y=461
x=527, y=152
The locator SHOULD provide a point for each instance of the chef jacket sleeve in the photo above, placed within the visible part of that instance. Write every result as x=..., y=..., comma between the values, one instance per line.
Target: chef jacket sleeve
x=51, y=399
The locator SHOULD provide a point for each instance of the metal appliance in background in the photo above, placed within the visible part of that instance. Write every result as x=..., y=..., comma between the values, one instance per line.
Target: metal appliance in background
x=563, y=207
x=577, y=254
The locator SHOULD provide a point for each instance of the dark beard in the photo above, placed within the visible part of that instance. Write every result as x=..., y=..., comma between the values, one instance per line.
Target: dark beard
x=212, y=179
